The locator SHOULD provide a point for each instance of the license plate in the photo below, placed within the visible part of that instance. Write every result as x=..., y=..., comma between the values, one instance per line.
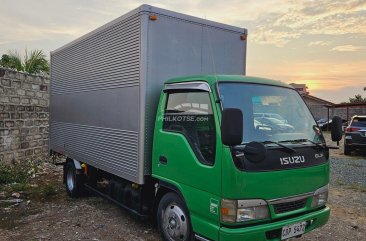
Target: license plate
x=293, y=230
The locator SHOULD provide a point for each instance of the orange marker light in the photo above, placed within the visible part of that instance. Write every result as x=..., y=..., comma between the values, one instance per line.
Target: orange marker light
x=85, y=168
x=243, y=37
x=153, y=17
x=224, y=211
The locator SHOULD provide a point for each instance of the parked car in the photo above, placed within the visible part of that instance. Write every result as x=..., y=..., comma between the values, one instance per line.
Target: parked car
x=271, y=115
x=355, y=135
x=275, y=124
x=260, y=126
x=324, y=122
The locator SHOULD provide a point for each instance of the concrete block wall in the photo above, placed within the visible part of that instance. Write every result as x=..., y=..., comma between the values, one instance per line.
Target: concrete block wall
x=342, y=112
x=24, y=111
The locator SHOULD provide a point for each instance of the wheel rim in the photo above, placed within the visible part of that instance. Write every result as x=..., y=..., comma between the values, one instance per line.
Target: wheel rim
x=175, y=223
x=70, y=179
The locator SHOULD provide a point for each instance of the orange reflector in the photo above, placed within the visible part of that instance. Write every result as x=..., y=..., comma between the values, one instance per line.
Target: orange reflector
x=85, y=168
x=153, y=17
x=224, y=211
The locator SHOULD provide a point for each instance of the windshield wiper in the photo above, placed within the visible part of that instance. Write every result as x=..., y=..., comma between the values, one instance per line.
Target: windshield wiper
x=281, y=145
x=305, y=140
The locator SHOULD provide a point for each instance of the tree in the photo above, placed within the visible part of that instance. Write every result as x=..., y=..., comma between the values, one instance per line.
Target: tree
x=12, y=60
x=357, y=99
x=34, y=61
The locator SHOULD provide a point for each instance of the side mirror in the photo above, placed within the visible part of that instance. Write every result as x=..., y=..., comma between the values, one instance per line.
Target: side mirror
x=232, y=127
x=336, y=130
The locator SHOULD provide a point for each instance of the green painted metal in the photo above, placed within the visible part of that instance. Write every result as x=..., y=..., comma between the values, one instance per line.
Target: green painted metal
x=199, y=183
x=258, y=232
x=203, y=186
x=212, y=79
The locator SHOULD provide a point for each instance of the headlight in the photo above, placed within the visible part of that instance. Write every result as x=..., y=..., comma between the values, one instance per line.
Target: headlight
x=320, y=197
x=243, y=210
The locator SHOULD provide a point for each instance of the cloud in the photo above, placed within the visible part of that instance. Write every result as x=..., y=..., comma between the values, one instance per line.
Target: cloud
x=273, y=22
x=277, y=38
x=347, y=48
x=304, y=18
x=315, y=8
x=319, y=43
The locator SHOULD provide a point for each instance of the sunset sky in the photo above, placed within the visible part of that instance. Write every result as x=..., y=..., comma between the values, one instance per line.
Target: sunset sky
x=320, y=43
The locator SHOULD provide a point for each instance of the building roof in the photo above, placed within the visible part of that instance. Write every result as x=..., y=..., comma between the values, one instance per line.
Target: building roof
x=347, y=105
x=325, y=102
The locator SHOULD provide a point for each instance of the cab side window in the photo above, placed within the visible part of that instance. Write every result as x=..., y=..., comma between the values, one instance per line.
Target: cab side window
x=190, y=113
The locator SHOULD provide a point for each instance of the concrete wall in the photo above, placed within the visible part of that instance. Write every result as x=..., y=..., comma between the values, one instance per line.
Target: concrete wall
x=342, y=112
x=24, y=101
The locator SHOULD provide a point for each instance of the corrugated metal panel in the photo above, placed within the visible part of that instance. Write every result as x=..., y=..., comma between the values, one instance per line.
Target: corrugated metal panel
x=105, y=64
x=112, y=150
x=109, y=59
x=122, y=65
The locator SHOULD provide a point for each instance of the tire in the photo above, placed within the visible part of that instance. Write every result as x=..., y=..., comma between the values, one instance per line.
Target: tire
x=336, y=128
x=173, y=219
x=74, y=181
x=347, y=150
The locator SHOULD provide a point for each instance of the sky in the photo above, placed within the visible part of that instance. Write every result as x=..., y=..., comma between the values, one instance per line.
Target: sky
x=319, y=43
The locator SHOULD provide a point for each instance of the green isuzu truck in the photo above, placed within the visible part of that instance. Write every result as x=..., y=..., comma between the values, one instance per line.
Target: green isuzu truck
x=215, y=155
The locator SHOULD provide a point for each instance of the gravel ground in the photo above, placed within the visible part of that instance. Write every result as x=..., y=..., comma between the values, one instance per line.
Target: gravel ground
x=348, y=172
x=58, y=217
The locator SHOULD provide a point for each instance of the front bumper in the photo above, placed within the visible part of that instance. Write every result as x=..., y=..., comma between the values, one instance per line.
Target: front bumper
x=356, y=145
x=272, y=231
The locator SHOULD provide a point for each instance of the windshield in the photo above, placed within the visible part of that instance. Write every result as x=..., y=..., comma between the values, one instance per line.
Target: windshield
x=270, y=113
x=359, y=122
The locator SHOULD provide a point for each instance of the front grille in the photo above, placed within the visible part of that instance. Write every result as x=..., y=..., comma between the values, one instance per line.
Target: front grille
x=289, y=206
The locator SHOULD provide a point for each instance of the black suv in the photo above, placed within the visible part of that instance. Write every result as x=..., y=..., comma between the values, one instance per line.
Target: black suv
x=355, y=135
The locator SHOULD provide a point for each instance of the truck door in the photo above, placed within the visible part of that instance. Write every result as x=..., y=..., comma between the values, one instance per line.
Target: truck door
x=186, y=153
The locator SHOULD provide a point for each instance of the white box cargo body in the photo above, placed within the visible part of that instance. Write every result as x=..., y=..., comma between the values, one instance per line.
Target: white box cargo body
x=105, y=86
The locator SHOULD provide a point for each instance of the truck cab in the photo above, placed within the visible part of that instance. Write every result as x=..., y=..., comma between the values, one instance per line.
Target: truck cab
x=235, y=178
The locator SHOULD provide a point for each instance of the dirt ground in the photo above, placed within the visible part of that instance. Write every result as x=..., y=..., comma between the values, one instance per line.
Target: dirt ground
x=47, y=213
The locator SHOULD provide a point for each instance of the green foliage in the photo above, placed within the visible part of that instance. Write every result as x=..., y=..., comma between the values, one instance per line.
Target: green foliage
x=12, y=60
x=18, y=187
x=357, y=99
x=49, y=190
x=34, y=61
x=13, y=174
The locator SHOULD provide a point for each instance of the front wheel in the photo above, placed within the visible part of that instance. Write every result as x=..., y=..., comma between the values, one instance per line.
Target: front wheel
x=173, y=219
x=74, y=181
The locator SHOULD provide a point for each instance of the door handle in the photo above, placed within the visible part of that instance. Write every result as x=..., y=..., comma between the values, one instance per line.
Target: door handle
x=163, y=160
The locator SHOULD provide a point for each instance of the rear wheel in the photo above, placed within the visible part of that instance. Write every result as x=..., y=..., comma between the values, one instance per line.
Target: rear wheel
x=173, y=220
x=347, y=150
x=74, y=181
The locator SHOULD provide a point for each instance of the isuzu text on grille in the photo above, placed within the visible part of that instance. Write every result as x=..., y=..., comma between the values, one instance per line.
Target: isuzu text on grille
x=292, y=160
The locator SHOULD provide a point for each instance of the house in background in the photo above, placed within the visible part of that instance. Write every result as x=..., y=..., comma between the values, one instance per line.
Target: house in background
x=301, y=88
x=316, y=105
